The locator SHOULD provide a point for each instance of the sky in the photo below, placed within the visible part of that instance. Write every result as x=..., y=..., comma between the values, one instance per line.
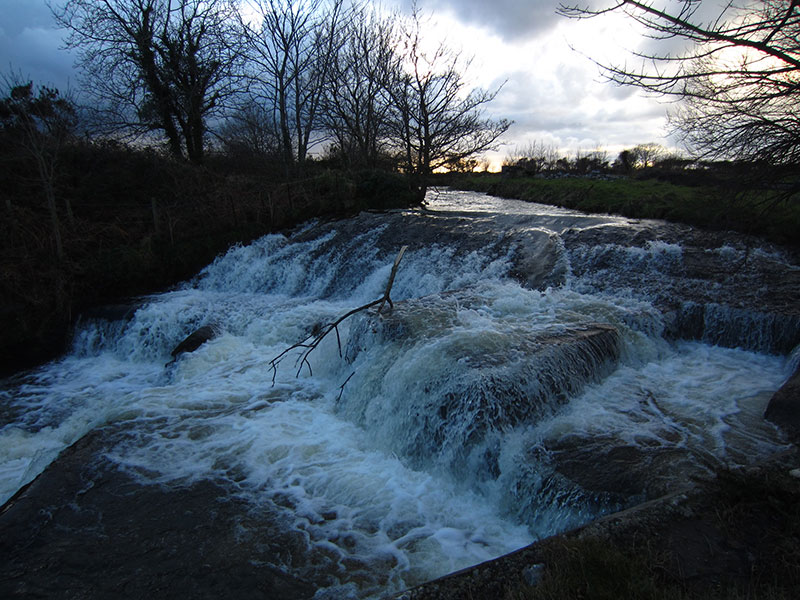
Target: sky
x=551, y=90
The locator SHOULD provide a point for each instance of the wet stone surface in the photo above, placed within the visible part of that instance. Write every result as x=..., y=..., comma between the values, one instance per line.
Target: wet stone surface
x=719, y=287
x=84, y=529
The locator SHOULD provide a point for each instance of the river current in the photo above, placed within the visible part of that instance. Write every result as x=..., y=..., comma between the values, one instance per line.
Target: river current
x=535, y=373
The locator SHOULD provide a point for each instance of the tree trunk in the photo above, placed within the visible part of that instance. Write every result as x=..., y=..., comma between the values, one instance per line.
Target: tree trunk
x=54, y=221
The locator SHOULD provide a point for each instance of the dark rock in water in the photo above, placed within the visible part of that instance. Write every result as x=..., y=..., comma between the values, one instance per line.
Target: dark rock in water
x=784, y=408
x=595, y=475
x=538, y=261
x=86, y=529
x=492, y=383
x=195, y=340
x=609, y=466
x=110, y=312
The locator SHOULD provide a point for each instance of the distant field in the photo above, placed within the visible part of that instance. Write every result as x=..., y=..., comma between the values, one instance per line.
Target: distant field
x=705, y=206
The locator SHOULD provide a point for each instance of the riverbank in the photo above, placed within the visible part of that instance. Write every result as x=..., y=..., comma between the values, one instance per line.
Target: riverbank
x=735, y=536
x=714, y=206
x=132, y=223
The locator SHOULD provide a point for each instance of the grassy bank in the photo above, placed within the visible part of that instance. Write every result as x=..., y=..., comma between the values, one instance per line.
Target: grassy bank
x=133, y=222
x=716, y=207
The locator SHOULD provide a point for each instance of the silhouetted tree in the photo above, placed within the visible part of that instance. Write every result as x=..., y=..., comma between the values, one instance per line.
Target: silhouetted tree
x=40, y=124
x=625, y=162
x=646, y=155
x=436, y=120
x=357, y=100
x=536, y=157
x=738, y=81
x=595, y=161
x=290, y=48
x=155, y=65
x=249, y=133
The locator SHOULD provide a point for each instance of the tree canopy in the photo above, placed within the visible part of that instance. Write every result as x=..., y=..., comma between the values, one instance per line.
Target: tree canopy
x=280, y=78
x=155, y=65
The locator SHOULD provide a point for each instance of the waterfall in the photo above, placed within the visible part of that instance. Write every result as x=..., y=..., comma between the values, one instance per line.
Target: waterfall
x=539, y=368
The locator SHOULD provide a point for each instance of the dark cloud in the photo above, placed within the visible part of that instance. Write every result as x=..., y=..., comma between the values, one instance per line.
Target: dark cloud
x=31, y=46
x=512, y=20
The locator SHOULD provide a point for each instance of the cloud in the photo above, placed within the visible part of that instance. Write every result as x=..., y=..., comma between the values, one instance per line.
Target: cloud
x=22, y=14
x=512, y=20
x=552, y=93
x=561, y=104
x=31, y=46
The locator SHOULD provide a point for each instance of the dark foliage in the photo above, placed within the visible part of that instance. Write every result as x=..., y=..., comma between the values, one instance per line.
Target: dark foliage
x=142, y=221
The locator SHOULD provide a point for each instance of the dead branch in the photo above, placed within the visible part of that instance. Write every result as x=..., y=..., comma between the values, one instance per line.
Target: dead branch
x=310, y=343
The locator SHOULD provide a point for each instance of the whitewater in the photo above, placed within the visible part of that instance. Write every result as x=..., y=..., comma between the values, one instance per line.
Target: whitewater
x=525, y=342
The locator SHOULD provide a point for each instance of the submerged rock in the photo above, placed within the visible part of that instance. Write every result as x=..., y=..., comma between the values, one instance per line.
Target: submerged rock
x=468, y=384
x=194, y=340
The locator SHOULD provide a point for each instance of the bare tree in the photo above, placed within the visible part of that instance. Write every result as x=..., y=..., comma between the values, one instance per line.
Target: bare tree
x=40, y=124
x=249, y=132
x=534, y=158
x=738, y=83
x=155, y=65
x=647, y=155
x=437, y=120
x=357, y=101
x=290, y=46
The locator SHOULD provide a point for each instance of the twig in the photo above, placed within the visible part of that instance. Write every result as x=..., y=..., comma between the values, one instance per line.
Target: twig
x=310, y=343
x=341, y=387
x=391, y=279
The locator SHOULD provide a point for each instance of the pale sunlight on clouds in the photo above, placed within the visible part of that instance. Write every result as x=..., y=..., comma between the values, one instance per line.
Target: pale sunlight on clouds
x=551, y=88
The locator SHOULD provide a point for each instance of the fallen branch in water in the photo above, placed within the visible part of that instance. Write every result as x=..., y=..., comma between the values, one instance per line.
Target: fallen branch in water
x=310, y=343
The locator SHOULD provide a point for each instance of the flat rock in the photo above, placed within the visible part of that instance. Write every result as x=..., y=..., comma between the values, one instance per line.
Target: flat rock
x=784, y=408
x=85, y=529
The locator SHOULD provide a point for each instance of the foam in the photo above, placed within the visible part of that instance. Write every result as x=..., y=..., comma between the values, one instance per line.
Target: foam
x=342, y=461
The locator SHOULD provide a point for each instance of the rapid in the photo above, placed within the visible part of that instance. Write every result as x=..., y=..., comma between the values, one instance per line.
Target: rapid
x=540, y=368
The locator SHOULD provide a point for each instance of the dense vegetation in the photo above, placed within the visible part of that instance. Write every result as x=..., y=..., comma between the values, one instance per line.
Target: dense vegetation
x=132, y=222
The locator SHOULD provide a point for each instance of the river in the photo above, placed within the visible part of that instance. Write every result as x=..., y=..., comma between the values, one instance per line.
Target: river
x=540, y=368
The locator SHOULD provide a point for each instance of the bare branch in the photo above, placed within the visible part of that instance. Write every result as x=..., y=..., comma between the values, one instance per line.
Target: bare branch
x=155, y=66
x=738, y=85
x=310, y=343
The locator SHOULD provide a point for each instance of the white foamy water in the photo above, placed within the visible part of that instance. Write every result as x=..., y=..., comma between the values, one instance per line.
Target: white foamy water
x=395, y=460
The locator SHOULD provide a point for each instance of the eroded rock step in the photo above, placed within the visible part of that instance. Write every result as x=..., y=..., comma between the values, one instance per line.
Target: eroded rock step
x=86, y=529
x=469, y=384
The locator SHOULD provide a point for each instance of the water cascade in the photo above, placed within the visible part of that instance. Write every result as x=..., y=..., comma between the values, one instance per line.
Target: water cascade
x=540, y=368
